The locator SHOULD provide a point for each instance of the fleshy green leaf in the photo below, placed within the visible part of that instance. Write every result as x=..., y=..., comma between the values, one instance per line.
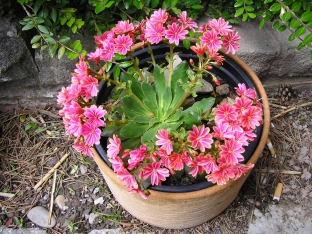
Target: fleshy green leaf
x=149, y=93
x=160, y=83
x=136, y=87
x=116, y=73
x=167, y=97
x=133, y=106
x=133, y=129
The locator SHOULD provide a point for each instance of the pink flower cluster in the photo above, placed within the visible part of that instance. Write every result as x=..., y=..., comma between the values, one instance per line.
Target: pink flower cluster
x=216, y=150
x=163, y=27
x=82, y=119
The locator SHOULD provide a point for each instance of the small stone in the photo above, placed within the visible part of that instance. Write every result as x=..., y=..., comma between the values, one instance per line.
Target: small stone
x=100, y=200
x=46, y=197
x=39, y=215
x=206, y=88
x=83, y=169
x=96, y=190
x=60, y=201
x=222, y=89
x=92, y=217
x=257, y=204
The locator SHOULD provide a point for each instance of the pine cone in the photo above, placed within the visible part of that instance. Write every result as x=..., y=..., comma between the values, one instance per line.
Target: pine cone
x=285, y=93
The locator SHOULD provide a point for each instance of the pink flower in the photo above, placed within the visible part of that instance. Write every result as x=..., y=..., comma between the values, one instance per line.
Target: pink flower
x=231, y=152
x=117, y=163
x=208, y=163
x=89, y=87
x=212, y=40
x=108, y=51
x=107, y=36
x=177, y=161
x=114, y=147
x=154, y=33
x=241, y=137
x=196, y=168
x=164, y=140
x=123, y=27
x=74, y=126
x=83, y=148
x=175, y=33
x=187, y=23
x=139, y=191
x=62, y=97
x=95, y=56
x=225, y=112
x=136, y=157
x=230, y=42
x=252, y=117
x=240, y=169
x=223, y=131
x=220, y=26
x=94, y=115
x=200, y=138
x=127, y=178
x=249, y=133
x=242, y=104
x=159, y=17
x=155, y=172
x=91, y=133
x=74, y=91
x=199, y=49
x=222, y=175
x=123, y=44
x=81, y=68
x=242, y=91
x=73, y=109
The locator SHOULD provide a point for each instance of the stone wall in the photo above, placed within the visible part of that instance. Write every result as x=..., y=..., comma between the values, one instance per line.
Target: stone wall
x=29, y=78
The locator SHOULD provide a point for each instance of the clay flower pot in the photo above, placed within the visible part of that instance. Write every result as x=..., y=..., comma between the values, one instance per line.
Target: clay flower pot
x=191, y=207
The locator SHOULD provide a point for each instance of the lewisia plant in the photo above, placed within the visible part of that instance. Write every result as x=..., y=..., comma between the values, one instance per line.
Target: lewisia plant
x=151, y=133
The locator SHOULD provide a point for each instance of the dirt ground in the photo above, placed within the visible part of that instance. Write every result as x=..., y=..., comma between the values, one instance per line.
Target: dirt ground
x=33, y=141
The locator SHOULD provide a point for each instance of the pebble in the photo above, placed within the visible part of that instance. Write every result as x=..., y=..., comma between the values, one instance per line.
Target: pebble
x=92, y=217
x=96, y=190
x=206, y=88
x=222, y=89
x=39, y=215
x=100, y=200
x=60, y=201
x=83, y=169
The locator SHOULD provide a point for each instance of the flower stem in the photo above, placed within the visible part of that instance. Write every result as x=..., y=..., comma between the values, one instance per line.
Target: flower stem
x=136, y=66
x=151, y=53
x=170, y=65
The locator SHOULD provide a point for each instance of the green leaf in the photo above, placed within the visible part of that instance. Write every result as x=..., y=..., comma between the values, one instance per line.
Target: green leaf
x=109, y=4
x=50, y=40
x=53, y=14
x=125, y=64
x=291, y=37
x=133, y=129
x=261, y=24
x=186, y=44
x=63, y=20
x=99, y=8
x=239, y=11
x=252, y=15
x=245, y=17
x=71, y=22
x=52, y=49
x=35, y=45
x=142, y=119
x=74, y=28
x=155, y=3
x=306, y=16
x=282, y=28
x=300, y=31
x=275, y=7
x=39, y=20
x=294, y=24
x=296, y=6
x=133, y=106
x=35, y=39
x=249, y=8
x=307, y=39
x=160, y=83
x=77, y=45
x=167, y=97
x=28, y=26
x=286, y=16
x=276, y=25
x=197, y=6
x=135, y=87
x=267, y=1
x=116, y=73
x=150, y=134
x=238, y=3
x=43, y=29
x=61, y=52
x=300, y=46
x=149, y=93
x=64, y=39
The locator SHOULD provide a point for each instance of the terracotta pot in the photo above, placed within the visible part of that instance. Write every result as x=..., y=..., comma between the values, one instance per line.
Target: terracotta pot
x=176, y=210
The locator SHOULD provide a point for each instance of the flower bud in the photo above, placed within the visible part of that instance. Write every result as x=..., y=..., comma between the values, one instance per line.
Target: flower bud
x=191, y=62
x=208, y=67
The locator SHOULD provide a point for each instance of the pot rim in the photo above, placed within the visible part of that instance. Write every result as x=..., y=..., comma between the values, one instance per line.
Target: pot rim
x=216, y=188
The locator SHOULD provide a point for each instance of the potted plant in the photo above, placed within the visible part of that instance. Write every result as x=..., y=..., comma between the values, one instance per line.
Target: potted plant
x=136, y=106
